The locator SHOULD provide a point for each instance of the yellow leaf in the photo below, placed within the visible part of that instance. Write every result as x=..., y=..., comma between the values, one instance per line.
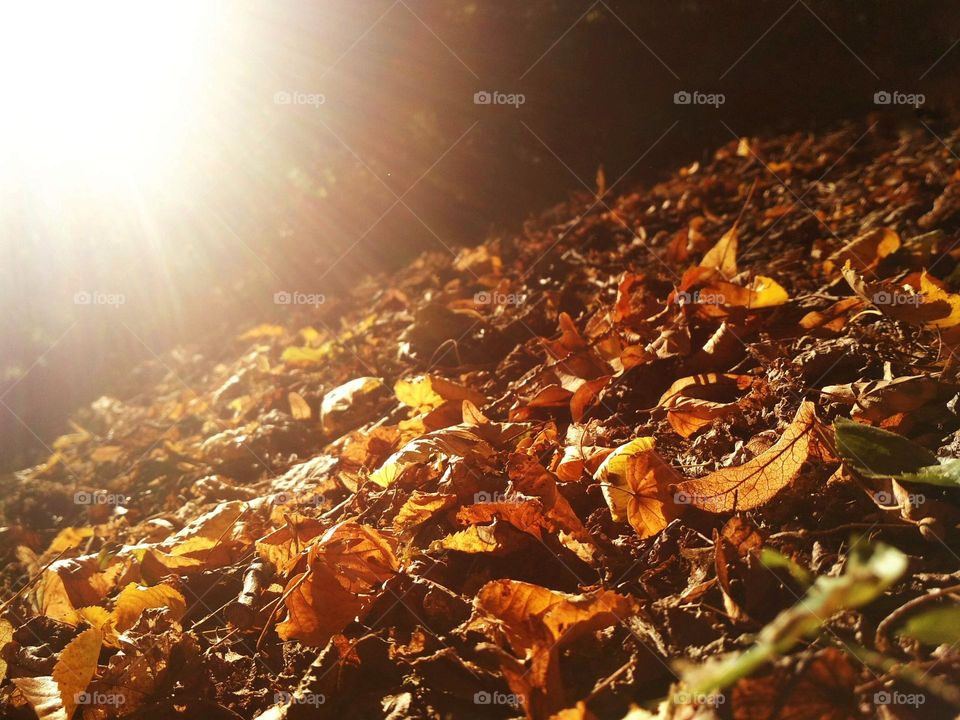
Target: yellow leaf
x=763, y=292
x=865, y=251
x=303, y=356
x=299, y=407
x=612, y=476
x=76, y=667
x=418, y=393
x=262, y=331
x=134, y=599
x=758, y=480
x=722, y=257
x=69, y=537
x=6, y=635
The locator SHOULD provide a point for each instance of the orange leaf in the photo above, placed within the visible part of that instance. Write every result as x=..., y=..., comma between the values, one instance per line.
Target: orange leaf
x=757, y=481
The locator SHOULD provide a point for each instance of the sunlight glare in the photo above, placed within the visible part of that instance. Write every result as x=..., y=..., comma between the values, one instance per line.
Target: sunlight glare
x=98, y=95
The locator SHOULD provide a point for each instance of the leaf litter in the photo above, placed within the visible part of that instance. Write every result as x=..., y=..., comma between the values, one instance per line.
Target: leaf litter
x=690, y=451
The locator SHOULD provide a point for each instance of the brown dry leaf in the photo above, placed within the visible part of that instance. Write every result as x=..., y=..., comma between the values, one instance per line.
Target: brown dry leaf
x=299, y=408
x=76, y=667
x=865, y=251
x=722, y=257
x=44, y=697
x=535, y=623
x=580, y=459
x=696, y=401
x=834, y=318
x=824, y=690
x=134, y=599
x=420, y=507
x=77, y=582
x=758, y=480
x=282, y=547
x=875, y=400
x=531, y=478
x=649, y=507
x=928, y=306
x=343, y=569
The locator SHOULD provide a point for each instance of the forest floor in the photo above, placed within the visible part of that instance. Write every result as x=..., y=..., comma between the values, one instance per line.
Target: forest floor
x=603, y=468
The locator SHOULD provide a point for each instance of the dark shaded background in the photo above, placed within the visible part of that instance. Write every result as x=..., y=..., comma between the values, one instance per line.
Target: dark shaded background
x=284, y=197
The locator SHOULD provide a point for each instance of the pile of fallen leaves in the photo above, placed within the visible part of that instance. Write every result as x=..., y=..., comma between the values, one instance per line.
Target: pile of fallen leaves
x=689, y=451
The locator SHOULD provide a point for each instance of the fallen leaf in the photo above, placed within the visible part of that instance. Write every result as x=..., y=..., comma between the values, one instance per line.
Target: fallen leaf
x=722, y=257
x=757, y=481
x=299, y=407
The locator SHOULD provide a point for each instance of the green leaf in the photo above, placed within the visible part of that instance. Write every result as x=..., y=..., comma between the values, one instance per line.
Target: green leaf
x=935, y=627
x=774, y=559
x=947, y=473
x=865, y=578
x=879, y=453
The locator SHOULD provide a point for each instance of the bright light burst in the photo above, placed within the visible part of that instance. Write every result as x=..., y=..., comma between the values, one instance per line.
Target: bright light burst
x=98, y=95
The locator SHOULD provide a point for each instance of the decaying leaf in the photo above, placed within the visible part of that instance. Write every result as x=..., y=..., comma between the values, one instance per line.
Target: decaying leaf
x=343, y=568
x=760, y=479
x=534, y=623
